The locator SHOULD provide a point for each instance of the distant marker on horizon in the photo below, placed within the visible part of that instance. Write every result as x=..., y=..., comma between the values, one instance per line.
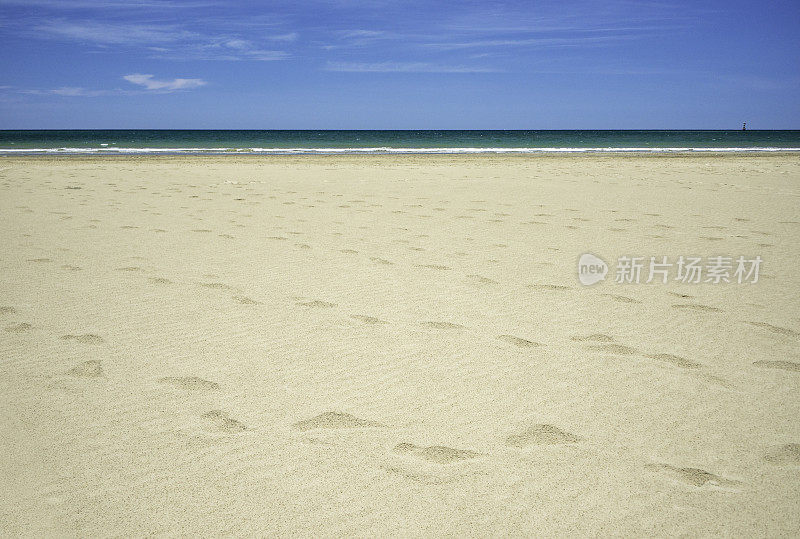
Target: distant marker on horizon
x=744, y=126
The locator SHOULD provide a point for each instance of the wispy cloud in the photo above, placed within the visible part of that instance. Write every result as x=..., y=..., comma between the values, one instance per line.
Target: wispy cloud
x=111, y=33
x=505, y=24
x=289, y=36
x=153, y=84
x=73, y=91
x=403, y=67
x=543, y=42
x=68, y=91
x=363, y=38
x=361, y=33
x=223, y=48
x=167, y=41
x=149, y=84
x=65, y=5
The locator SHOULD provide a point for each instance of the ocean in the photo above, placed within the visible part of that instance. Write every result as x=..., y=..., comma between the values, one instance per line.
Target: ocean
x=337, y=142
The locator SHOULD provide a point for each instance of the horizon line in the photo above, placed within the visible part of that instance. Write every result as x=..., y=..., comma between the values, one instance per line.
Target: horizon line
x=394, y=129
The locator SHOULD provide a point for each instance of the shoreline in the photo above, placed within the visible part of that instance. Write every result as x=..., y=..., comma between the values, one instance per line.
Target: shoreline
x=392, y=151
x=249, y=157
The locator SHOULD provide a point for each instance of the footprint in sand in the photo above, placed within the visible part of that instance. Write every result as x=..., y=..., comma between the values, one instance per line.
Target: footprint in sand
x=70, y=267
x=424, y=478
x=219, y=421
x=317, y=303
x=783, y=454
x=778, y=364
x=217, y=286
x=335, y=420
x=542, y=434
x=87, y=369
x=697, y=307
x=555, y=287
x=39, y=260
x=368, y=319
x=619, y=349
x=22, y=327
x=436, y=453
x=244, y=300
x=434, y=266
x=677, y=295
x=676, y=360
x=87, y=338
x=622, y=299
x=518, y=341
x=693, y=476
x=383, y=261
x=160, y=280
x=442, y=325
x=594, y=337
x=775, y=329
x=130, y=268
x=5, y=309
x=191, y=383
x=480, y=279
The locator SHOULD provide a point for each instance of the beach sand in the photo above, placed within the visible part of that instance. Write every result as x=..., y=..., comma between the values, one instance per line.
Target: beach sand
x=396, y=345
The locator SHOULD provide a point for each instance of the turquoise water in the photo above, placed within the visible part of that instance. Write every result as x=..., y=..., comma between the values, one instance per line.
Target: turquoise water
x=231, y=141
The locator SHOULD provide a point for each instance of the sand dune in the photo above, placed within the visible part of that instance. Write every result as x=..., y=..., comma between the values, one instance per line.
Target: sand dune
x=396, y=345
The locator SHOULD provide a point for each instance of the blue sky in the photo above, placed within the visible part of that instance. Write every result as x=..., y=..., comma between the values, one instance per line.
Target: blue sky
x=386, y=64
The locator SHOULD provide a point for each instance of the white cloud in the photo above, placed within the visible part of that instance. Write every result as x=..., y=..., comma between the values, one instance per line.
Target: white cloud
x=108, y=4
x=68, y=91
x=148, y=82
x=361, y=33
x=236, y=49
x=114, y=34
x=266, y=56
x=364, y=38
x=238, y=44
x=154, y=84
x=533, y=42
x=291, y=36
x=403, y=67
x=74, y=91
x=166, y=41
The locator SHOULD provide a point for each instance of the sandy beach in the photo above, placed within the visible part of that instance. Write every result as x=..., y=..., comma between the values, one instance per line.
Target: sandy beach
x=396, y=345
